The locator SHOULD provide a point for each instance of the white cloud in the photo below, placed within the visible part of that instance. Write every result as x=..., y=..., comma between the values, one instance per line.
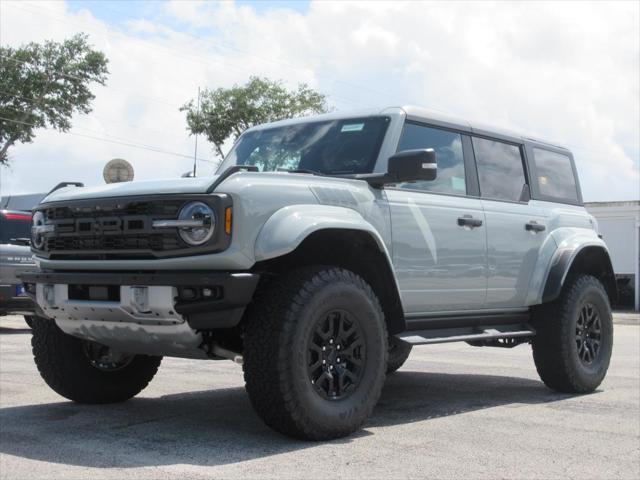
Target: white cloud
x=567, y=72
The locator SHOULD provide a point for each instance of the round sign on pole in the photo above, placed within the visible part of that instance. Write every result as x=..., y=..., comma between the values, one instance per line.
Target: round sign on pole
x=117, y=170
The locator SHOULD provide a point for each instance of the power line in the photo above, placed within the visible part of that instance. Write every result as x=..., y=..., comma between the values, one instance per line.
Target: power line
x=119, y=142
x=90, y=115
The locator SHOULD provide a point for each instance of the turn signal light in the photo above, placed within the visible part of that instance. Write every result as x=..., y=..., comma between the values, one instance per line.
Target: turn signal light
x=227, y=220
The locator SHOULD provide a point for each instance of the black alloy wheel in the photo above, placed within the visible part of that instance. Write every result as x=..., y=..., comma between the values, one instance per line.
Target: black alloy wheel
x=588, y=334
x=336, y=355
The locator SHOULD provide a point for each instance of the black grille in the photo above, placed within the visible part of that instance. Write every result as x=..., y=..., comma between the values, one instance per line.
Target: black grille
x=123, y=228
x=162, y=208
x=115, y=242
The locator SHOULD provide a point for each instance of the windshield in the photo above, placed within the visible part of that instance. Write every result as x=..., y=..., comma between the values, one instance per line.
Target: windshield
x=332, y=147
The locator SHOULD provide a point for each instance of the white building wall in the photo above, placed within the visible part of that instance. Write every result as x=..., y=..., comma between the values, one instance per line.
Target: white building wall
x=619, y=225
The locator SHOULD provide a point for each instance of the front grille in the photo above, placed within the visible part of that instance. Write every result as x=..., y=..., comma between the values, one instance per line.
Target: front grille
x=115, y=242
x=168, y=208
x=121, y=228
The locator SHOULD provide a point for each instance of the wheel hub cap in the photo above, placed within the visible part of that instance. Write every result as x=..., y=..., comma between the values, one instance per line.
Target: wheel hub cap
x=588, y=334
x=335, y=355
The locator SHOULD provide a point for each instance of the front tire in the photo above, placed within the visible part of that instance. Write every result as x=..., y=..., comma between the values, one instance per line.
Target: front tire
x=315, y=353
x=574, y=339
x=88, y=372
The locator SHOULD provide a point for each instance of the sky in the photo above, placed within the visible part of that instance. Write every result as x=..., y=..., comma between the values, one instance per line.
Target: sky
x=564, y=72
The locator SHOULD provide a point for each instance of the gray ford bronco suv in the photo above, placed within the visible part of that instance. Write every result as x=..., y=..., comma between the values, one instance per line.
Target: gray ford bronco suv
x=324, y=249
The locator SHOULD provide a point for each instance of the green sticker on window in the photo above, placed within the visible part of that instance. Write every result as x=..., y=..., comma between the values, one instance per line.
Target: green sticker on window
x=457, y=183
x=352, y=127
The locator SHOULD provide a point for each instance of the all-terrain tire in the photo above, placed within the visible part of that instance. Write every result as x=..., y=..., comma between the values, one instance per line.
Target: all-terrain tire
x=28, y=319
x=281, y=323
x=64, y=365
x=399, y=351
x=560, y=336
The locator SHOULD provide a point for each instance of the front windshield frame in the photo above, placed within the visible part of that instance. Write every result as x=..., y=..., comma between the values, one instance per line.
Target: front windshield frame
x=333, y=126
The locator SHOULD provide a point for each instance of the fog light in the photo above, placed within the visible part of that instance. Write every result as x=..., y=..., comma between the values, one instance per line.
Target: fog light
x=141, y=299
x=207, y=292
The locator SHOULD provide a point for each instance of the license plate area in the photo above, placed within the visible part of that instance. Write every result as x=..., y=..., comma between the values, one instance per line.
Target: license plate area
x=97, y=293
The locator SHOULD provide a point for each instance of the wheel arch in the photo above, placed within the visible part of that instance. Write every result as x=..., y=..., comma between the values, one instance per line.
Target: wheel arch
x=354, y=247
x=588, y=258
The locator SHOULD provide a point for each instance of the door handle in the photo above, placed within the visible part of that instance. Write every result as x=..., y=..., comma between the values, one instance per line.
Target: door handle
x=534, y=226
x=469, y=221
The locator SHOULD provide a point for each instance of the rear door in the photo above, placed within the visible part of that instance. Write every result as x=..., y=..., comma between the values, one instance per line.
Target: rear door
x=438, y=228
x=515, y=226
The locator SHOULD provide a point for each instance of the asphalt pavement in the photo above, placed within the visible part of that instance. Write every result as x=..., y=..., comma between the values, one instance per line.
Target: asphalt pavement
x=453, y=411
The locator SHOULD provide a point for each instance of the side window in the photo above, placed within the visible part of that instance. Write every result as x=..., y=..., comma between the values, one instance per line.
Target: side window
x=448, y=148
x=554, y=174
x=500, y=169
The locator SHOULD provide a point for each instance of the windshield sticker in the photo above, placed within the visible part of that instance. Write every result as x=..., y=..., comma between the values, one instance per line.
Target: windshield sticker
x=352, y=127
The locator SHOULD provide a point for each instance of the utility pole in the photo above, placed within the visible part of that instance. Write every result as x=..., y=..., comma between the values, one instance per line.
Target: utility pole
x=195, y=150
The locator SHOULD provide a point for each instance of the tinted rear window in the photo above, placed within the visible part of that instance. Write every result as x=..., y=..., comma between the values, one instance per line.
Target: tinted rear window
x=10, y=230
x=500, y=169
x=554, y=174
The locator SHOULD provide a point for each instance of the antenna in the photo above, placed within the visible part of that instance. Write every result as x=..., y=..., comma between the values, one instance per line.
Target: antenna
x=195, y=150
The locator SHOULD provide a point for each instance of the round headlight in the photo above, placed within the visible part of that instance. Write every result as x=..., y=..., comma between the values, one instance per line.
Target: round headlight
x=37, y=239
x=204, y=223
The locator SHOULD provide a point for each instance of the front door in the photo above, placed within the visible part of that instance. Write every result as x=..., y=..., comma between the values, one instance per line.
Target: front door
x=438, y=229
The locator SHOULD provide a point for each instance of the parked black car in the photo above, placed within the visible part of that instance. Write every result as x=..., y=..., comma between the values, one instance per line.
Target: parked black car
x=15, y=258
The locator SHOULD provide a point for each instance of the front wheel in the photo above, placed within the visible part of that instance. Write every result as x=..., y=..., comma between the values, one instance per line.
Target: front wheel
x=574, y=339
x=88, y=372
x=315, y=353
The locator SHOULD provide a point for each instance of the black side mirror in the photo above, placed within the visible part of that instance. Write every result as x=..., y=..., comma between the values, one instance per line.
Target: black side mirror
x=411, y=165
x=405, y=166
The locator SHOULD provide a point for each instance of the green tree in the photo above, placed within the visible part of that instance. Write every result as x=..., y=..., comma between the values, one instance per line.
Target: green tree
x=226, y=112
x=43, y=85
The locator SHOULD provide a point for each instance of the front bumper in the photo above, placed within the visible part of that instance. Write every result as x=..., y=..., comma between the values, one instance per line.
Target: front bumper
x=143, y=298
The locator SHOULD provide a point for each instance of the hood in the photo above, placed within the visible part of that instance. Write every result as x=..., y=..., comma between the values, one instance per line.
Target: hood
x=142, y=187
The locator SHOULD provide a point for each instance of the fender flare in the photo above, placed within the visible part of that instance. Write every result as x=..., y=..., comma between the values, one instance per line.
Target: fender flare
x=290, y=226
x=287, y=228
x=564, y=258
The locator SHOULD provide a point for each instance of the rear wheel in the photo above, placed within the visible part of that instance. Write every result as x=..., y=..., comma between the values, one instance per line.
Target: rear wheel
x=88, y=372
x=574, y=340
x=315, y=353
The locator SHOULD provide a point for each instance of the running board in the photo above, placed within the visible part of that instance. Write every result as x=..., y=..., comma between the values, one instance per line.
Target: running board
x=466, y=334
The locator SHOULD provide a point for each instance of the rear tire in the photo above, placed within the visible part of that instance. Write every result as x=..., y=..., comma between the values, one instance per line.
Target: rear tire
x=574, y=339
x=88, y=372
x=399, y=351
x=296, y=322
